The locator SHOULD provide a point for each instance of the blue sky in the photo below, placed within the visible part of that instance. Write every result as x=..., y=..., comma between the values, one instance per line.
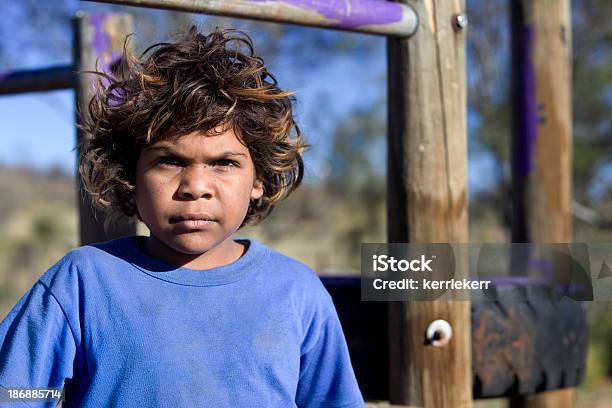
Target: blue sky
x=37, y=129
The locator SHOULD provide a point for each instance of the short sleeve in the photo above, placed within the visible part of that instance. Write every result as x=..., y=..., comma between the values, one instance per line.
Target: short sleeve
x=326, y=374
x=37, y=346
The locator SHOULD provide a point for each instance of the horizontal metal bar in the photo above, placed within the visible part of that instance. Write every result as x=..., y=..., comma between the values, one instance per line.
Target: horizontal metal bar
x=37, y=80
x=366, y=16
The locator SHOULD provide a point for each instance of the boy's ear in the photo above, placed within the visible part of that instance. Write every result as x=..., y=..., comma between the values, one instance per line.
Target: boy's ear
x=257, y=190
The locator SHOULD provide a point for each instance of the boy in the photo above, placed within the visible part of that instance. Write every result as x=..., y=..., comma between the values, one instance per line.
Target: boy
x=195, y=140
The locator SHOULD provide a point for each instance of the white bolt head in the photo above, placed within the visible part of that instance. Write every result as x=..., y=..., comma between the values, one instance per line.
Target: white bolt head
x=461, y=21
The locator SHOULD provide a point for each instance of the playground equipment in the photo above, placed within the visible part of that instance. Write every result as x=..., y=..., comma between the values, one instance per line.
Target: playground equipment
x=427, y=191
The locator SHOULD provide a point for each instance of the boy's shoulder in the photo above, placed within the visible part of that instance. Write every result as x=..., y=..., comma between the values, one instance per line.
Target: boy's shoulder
x=83, y=253
x=88, y=255
x=292, y=268
x=300, y=282
x=85, y=258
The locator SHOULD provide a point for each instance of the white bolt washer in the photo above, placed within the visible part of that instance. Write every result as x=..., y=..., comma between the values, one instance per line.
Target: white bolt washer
x=444, y=331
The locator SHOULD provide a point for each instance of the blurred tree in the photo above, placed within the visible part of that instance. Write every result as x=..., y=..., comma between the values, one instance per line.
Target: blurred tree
x=488, y=75
x=592, y=91
x=358, y=167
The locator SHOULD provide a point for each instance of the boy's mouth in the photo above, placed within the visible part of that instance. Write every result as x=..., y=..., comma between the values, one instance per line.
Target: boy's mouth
x=193, y=220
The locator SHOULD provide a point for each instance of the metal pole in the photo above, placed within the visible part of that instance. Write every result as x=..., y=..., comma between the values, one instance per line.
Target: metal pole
x=365, y=16
x=37, y=80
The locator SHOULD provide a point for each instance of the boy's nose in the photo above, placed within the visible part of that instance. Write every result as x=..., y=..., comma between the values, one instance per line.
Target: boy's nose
x=196, y=182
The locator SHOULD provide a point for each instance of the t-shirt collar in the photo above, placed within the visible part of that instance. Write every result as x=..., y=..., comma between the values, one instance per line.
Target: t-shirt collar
x=221, y=275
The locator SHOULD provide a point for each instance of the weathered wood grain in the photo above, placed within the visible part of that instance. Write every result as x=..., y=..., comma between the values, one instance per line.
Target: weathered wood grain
x=542, y=138
x=427, y=198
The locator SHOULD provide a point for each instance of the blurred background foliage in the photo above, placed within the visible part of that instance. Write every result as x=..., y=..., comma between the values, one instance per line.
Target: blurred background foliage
x=342, y=202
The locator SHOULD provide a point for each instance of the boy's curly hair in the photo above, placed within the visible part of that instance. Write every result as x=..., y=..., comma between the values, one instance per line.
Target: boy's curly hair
x=197, y=83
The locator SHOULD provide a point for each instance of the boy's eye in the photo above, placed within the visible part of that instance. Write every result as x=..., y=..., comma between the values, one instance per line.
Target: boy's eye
x=225, y=163
x=169, y=161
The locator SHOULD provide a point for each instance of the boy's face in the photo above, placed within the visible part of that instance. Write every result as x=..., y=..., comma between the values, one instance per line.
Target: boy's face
x=193, y=193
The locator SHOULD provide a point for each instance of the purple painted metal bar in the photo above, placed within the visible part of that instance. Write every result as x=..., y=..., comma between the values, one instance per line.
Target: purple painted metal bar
x=37, y=80
x=349, y=14
x=367, y=16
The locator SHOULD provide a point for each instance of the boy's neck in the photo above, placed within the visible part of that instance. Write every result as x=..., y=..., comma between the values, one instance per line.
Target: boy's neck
x=222, y=254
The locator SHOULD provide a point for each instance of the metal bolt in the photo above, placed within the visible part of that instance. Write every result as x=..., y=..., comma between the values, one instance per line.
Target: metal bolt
x=439, y=333
x=461, y=21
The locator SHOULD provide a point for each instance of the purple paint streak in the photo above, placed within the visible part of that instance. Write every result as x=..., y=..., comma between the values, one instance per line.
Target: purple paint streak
x=102, y=46
x=498, y=281
x=101, y=43
x=560, y=288
x=350, y=14
x=527, y=131
x=544, y=266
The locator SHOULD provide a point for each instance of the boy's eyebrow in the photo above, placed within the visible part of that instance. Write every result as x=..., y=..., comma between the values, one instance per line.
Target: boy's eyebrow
x=229, y=154
x=168, y=149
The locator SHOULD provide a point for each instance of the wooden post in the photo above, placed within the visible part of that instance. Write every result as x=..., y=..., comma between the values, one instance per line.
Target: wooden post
x=98, y=37
x=541, y=37
x=542, y=120
x=427, y=197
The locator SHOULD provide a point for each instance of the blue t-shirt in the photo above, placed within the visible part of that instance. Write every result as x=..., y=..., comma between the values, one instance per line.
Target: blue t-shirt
x=116, y=327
